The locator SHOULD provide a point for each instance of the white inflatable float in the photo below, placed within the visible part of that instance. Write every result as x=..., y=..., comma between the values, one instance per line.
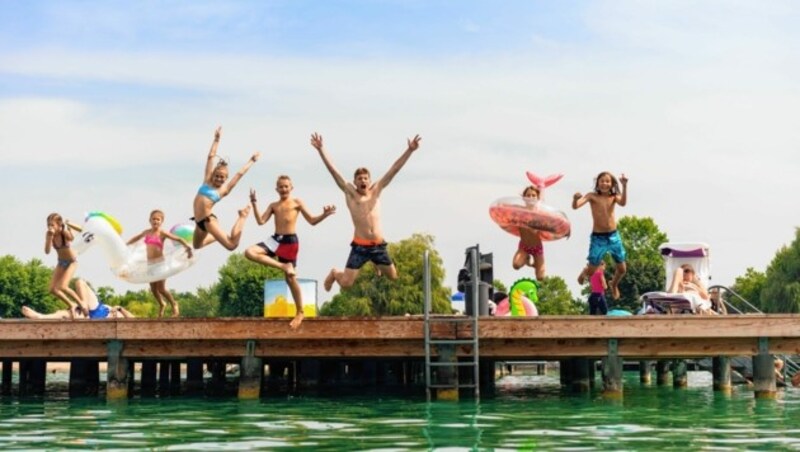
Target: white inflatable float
x=129, y=263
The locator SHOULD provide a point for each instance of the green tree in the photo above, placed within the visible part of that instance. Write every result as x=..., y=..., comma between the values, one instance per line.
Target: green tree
x=748, y=287
x=240, y=289
x=781, y=291
x=374, y=295
x=555, y=298
x=499, y=286
x=202, y=305
x=25, y=284
x=645, y=265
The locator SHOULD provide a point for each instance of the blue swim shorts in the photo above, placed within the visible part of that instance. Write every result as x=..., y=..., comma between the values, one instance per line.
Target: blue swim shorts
x=606, y=242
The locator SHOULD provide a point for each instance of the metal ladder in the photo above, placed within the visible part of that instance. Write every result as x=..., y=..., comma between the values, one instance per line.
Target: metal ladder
x=735, y=303
x=454, y=321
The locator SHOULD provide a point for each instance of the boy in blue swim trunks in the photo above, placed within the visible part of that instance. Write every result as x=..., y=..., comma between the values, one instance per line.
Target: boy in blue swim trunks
x=280, y=250
x=362, y=197
x=87, y=298
x=605, y=238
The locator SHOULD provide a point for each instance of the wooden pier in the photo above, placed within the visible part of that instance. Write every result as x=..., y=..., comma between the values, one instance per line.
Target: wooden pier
x=385, y=351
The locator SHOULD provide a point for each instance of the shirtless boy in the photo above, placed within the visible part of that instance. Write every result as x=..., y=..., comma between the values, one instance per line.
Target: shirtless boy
x=280, y=250
x=363, y=202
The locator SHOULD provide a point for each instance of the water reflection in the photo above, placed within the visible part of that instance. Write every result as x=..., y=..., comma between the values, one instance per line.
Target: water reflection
x=528, y=412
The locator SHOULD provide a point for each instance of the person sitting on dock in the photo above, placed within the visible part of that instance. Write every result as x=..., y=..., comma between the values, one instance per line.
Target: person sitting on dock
x=89, y=303
x=686, y=282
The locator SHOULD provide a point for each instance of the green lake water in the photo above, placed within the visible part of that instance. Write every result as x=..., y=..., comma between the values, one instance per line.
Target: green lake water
x=528, y=412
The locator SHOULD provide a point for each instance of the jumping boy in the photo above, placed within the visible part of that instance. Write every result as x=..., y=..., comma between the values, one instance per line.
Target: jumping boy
x=280, y=250
x=363, y=202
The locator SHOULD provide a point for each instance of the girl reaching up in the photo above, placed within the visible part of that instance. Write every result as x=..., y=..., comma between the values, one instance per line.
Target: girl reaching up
x=215, y=188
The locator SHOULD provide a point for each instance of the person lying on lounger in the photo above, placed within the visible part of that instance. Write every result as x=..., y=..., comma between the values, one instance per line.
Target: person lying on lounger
x=686, y=282
x=89, y=302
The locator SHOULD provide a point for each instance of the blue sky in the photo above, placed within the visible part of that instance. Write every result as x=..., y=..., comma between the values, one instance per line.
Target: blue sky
x=112, y=105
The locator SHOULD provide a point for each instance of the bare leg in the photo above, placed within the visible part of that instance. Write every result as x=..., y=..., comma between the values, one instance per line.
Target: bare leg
x=59, y=288
x=618, y=274
x=677, y=278
x=519, y=260
x=61, y=314
x=389, y=271
x=156, y=291
x=230, y=243
x=166, y=294
x=344, y=278
x=297, y=295
x=538, y=266
x=586, y=272
x=257, y=254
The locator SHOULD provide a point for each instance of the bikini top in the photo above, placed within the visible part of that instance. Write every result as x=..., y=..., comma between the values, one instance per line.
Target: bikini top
x=154, y=240
x=209, y=192
x=64, y=243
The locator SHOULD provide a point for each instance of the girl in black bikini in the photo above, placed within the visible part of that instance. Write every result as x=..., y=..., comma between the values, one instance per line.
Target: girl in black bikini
x=58, y=238
x=213, y=189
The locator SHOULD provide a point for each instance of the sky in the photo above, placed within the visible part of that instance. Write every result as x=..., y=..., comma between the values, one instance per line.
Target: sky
x=111, y=105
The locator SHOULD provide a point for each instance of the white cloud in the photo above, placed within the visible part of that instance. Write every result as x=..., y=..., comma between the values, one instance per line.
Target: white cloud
x=708, y=141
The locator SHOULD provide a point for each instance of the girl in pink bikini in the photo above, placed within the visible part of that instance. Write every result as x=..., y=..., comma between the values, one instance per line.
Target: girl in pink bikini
x=154, y=241
x=58, y=238
x=530, y=251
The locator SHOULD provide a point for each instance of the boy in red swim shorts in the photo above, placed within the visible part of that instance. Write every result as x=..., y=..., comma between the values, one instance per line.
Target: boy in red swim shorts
x=280, y=250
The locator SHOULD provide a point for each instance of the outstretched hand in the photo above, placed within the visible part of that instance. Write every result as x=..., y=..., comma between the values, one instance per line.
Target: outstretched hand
x=328, y=210
x=252, y=195
x=217, y=133
x=316, y=141
x=623, y=179
x=255, y=156
x=413, y=143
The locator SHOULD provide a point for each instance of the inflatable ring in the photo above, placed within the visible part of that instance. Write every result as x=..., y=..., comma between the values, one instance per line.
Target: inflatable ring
x=129, y=263
x=515, y=212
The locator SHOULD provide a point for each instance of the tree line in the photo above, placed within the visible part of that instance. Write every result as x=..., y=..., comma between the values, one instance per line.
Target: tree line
x=239, y=291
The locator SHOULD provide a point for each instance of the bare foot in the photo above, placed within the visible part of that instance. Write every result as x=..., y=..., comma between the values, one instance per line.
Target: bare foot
x=297, y=320
x=29, y=313
x=176, y=312
x=614, y=290
x=288, y=269
x=329, y=280
x=162, y=307
x=581, y=279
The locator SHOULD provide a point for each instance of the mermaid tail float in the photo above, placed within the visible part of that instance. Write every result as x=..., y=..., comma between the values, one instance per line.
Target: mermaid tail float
x=129, y=263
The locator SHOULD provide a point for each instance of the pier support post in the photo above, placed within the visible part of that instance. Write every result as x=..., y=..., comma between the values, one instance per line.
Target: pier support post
x=84, y=377
x=662, y=372
x=721, y=370
x=148, y=378
x=7, y=373
x=163, y=377
x=117, y=379
x=447, y=375
x=764, y=371
x=645, y=372
x=194, y=376
x=251, y=372
x=612, y=371
x=680, y=377
x=580, y=375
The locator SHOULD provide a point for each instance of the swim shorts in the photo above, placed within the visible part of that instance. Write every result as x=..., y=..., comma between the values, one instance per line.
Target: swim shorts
x=606, y=242
x=362, y=252
x=283, y=247
x=537, y=250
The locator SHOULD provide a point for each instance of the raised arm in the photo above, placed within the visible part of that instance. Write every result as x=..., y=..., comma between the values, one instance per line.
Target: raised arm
x=137, y=237
x=175, y=238
x=579, y=200
x=622, y=198
x=313, y=220
x=260, y=219
x=413, y=145
x=48, y=238
x=316, y=141
x=238, y=176
x=212, y=153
